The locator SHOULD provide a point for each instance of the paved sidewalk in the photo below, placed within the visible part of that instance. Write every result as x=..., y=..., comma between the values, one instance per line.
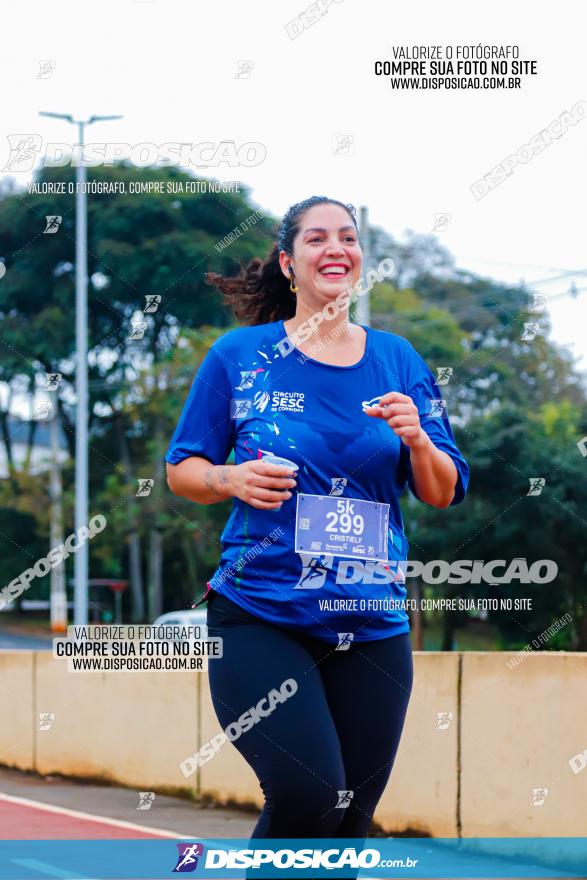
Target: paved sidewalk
x=171, y=814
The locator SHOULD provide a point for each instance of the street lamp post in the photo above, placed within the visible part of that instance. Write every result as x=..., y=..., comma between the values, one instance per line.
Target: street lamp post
x=80, y=613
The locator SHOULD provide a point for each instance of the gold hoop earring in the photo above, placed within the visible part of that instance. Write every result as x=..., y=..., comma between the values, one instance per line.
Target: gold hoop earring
x=293, y=286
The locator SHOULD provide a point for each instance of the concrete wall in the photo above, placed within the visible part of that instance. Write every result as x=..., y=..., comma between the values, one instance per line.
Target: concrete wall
x=17, y=706
x=130, y=727
x=479, y=737
x=421, y=795
x=521, y=727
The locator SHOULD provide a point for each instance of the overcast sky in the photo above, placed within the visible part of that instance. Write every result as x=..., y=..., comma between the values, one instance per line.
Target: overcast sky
x=171, y=69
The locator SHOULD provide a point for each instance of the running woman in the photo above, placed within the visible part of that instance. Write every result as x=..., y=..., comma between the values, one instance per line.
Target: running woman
x=308, y=593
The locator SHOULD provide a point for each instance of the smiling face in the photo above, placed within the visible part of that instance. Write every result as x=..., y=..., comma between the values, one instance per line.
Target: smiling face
x=327, y=257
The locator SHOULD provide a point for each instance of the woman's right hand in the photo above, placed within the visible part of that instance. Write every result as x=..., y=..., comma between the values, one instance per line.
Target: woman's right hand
x=258, y=483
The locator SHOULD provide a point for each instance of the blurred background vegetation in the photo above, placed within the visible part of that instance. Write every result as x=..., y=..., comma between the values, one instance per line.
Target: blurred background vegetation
x=518, y=408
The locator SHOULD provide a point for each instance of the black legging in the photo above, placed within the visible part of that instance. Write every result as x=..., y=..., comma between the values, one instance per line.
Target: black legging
x=338, y=732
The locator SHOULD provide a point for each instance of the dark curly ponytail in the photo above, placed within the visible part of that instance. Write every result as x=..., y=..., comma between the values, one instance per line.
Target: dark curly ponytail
x=260, y=294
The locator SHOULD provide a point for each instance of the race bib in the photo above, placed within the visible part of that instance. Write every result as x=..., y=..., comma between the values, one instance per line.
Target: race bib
x=341, y=527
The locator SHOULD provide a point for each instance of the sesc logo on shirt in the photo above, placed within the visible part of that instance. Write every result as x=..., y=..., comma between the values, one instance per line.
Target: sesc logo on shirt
x=287, y=401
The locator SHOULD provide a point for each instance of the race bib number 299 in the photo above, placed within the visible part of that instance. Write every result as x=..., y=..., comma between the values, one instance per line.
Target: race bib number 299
x=338, y=526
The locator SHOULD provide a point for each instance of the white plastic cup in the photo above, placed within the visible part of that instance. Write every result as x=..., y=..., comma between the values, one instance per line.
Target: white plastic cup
x=281, y=462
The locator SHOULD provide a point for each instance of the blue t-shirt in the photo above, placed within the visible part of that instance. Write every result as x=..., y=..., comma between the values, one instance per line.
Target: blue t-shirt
x=249, y=398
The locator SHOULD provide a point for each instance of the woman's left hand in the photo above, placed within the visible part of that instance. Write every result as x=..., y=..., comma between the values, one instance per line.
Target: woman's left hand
x=401, y=414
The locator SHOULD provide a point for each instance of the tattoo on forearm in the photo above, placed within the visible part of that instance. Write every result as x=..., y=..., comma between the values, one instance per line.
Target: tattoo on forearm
x=222, y=477
x=208, y=479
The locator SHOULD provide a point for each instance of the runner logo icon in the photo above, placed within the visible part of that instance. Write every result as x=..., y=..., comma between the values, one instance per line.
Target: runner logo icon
x=247, y=379
x=344, y=641
x=239, y=408
x=314, y=570
x=187, y=859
